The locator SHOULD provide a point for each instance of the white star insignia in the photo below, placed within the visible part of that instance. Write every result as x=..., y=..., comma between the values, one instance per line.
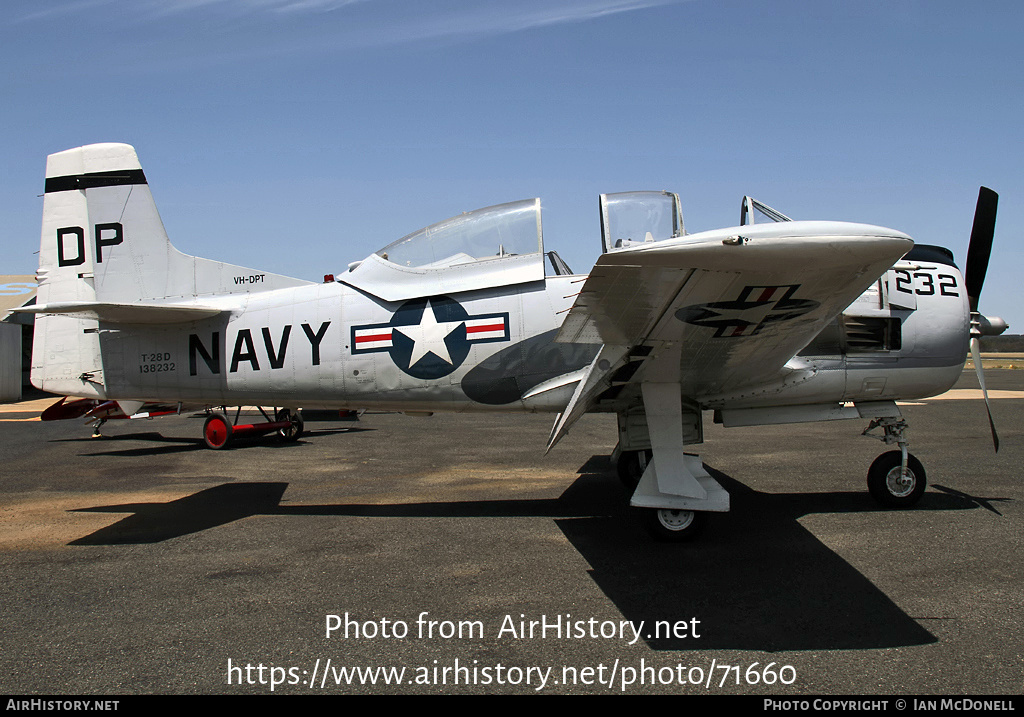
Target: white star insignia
x=754, y=315
x=429, y=335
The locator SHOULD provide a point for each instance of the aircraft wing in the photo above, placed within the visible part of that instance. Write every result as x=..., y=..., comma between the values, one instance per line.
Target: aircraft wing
x=721, y=311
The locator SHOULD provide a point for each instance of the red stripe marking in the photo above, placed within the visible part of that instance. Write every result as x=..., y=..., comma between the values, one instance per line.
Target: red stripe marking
x=487, y=327
x=373, y=337
x=767, y=293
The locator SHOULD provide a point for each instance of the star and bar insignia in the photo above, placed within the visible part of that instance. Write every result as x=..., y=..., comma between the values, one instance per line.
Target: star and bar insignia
x=755, y=307
x=430, y=337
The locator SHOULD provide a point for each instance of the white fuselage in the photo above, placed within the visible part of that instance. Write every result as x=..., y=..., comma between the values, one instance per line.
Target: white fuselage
x=300, y=346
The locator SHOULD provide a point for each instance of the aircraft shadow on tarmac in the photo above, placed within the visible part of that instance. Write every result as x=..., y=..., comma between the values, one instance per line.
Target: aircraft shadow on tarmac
x=756, y=579
x=179, y=444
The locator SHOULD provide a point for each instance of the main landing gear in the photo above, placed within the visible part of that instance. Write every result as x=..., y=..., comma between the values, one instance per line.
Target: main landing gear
x=219, y=430
x=656, y=461
x=671, y=525
x=674, y=526
x=896, y=479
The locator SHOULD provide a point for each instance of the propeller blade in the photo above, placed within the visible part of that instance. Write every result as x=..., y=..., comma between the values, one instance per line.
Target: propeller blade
x=981, y=244
x=976, y=355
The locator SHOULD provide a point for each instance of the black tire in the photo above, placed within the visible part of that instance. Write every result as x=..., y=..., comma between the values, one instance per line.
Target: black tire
x=629, y=468
x=293, y=432
x=674, y=526
x=217, y=431
x=886, y=485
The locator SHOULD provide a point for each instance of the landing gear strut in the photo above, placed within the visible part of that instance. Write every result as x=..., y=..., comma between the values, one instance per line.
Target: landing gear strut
x=896, y=479
x=97, y=424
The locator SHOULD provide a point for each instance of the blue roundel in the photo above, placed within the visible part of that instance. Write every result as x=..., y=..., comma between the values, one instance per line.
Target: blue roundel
x=429, y=337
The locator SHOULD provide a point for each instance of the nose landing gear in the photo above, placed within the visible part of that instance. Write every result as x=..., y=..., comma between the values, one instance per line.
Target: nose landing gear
x=896, y=479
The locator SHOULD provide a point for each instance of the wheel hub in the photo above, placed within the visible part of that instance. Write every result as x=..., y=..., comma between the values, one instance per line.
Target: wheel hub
x=900, y=483
x=675, y=519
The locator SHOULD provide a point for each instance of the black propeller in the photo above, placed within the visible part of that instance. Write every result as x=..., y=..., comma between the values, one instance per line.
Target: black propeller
x=981, y=244
x=974, y=278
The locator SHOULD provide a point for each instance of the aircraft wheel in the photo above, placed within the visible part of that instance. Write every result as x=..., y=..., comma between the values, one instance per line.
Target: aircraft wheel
x=629, y=467
x=293, y=432
x=674, y=525
x=217, y=431
x=889, y=487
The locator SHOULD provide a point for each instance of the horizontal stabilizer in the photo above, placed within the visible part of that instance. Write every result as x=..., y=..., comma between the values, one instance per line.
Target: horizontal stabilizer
x=94, y=408
x=138, y=313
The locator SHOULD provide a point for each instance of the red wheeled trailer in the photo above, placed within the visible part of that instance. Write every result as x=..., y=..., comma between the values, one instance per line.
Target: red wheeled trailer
x=219, y=431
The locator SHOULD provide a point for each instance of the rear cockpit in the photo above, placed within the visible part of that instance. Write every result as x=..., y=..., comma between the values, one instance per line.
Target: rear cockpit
x=631, y=218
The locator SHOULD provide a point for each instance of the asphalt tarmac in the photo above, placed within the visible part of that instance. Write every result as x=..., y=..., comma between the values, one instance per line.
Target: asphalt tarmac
x=460, y=559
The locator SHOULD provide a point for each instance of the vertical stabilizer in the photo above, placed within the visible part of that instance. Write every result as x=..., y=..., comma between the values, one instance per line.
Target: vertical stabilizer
x=66, y=351
x=103, y=242
x=101, y=228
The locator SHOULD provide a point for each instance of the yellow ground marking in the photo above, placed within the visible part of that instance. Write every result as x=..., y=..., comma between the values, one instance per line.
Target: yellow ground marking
x=25, y=410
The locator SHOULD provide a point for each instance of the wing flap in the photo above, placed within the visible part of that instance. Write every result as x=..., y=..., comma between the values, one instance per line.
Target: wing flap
x=590, y=385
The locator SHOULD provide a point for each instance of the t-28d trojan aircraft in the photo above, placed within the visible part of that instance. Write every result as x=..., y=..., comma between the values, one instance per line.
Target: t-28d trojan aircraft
x=768, y=322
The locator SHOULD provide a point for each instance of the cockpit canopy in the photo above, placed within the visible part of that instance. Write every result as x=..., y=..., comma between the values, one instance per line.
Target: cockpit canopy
x=512, y=229
x=628, y=218
x=503, y=245
x=496, y=246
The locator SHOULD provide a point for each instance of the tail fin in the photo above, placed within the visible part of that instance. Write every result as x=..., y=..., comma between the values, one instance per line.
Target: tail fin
x=103, y=243
x=103, y=238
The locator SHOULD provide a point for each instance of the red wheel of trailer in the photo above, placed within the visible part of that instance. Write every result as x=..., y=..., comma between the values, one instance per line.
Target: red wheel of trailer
x=217, y=431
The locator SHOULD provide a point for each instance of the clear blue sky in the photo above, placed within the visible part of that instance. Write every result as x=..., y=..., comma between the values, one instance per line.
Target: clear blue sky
x=299, y=135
